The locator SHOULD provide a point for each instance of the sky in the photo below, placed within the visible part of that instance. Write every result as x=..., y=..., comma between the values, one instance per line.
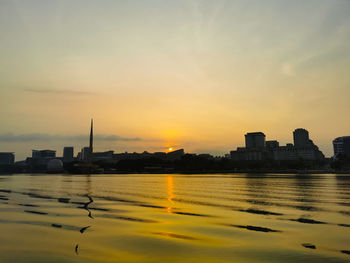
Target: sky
x=189, y=74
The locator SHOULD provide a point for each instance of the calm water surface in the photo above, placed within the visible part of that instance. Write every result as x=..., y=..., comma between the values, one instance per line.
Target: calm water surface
x=175, y=218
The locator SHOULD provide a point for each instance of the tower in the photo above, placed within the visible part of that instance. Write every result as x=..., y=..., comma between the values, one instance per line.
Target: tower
x=91, y=142
x=255, y=140
x=301, y=138
x=68, y=154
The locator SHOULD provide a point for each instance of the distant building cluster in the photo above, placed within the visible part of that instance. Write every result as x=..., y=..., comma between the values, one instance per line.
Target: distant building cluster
x=258, y=149
x=111, y=157
x=46, y=160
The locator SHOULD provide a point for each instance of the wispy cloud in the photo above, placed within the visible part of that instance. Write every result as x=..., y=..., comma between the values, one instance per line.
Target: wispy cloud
x=57, y=91
x=9, y=137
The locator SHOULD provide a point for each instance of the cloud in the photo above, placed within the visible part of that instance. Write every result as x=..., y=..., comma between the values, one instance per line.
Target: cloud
x=57, y=91
x=9, y=137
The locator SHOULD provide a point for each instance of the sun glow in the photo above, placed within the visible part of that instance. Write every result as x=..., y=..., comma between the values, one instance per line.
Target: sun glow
x=170, y=149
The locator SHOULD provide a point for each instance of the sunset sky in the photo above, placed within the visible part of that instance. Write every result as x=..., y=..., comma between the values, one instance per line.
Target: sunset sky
x=196, y=75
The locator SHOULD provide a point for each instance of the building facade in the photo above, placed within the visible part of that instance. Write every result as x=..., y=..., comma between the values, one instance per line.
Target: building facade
x=41, y=157
x=341, y=146
x=68, y=154
x=7, y=158
x=255, y=140
x=85, y=154
x=301, y=138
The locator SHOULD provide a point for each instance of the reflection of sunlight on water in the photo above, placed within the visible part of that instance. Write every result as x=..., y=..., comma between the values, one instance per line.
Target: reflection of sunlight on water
x=138, y=218
x=170, y=188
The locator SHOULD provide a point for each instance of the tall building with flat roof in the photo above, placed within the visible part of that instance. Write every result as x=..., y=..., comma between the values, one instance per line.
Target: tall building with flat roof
x=341, y=146
x=301, y=138
x=68, y=154
x=255, y=140
x=7, y=158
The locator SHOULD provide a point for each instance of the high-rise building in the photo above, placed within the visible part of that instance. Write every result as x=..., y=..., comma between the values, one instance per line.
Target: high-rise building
x=7, y=158
x=255, y=140
x=68, y=154
x=341, y=146
x=301, y=138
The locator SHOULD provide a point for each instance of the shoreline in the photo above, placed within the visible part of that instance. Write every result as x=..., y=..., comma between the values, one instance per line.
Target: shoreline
x=291, y=172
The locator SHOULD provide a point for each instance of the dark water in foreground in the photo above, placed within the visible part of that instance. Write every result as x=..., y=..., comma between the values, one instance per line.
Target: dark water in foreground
x=175, y=218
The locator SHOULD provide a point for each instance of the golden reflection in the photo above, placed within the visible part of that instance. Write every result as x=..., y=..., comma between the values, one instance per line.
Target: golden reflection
x=170, y=188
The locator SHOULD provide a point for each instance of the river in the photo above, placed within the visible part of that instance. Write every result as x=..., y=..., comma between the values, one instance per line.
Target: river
x=175, y=218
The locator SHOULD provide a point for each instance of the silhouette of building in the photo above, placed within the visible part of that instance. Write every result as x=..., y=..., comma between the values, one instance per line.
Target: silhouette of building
x=85, y=154
x=159, y=155
x=254, y=149
x=41, y=157
x=255, y=140
x=175, y=155
x=103, y=156
x=301, y=138
x=68, y=154
x=139, y=156
x=272, y=145
x=248, y=154
x=43, y=154
x=206, y=156
x=257, y=149
x=341, y=146
x=290, y=152
x=7, y=158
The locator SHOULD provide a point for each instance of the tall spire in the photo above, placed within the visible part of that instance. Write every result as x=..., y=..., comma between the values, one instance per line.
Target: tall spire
x=91, y=141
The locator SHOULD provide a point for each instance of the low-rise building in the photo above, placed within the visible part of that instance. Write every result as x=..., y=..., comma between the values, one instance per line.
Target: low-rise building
x=103, y=156
x=175, y=155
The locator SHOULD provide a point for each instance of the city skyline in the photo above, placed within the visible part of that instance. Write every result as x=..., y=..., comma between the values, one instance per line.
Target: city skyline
x=187, y=74
x=299, y=141
x=175, y=131
x=58, y=142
